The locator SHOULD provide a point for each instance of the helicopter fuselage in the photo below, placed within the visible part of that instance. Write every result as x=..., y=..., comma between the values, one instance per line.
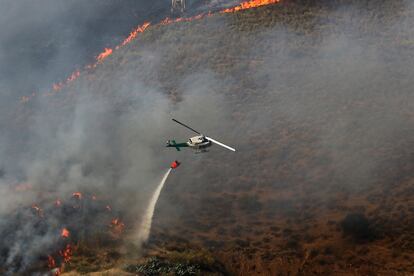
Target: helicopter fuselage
x=199, y=142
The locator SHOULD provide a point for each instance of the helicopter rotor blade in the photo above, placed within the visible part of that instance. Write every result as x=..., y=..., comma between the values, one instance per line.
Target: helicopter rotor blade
x=220, y=144
x=184, y=125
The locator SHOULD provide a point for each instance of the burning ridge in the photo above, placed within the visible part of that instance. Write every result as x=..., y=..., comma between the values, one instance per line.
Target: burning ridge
x=134, y=34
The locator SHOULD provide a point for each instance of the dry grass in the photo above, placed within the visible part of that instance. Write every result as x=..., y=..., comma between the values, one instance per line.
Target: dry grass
x=282, y=212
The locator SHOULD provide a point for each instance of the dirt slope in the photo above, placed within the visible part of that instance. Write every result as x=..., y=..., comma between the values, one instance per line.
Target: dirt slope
x=320, y=102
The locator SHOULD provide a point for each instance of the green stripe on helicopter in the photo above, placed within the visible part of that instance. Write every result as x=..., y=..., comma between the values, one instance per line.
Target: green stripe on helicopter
x=173, y=144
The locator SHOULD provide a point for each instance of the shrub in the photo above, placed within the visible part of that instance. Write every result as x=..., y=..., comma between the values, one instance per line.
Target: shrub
x=357, y=226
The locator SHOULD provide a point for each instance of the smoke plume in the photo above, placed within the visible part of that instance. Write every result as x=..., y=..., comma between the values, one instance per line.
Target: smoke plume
x=286, y=98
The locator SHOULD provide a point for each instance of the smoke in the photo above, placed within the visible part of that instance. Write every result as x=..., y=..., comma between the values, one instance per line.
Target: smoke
x=343, y=90
x=97, y=142
x=103, y=137
x=280, y=95
x=315, y=110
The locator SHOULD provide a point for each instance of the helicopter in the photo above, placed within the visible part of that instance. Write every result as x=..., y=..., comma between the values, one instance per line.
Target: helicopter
x=200, y=143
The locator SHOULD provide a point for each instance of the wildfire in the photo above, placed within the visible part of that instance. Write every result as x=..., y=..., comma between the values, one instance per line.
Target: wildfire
x=106, y=53
x=77, y=195
x=66, y=253
x=68, y=241
x=117, y=226
x=250, y=4
x=65, y=233
x=74, y=76
x=140, y=29
x=134, y=34
x=51, y=264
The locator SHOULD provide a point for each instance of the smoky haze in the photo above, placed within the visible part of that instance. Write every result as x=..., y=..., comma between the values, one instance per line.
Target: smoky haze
x=105, y=133
x=94, y=144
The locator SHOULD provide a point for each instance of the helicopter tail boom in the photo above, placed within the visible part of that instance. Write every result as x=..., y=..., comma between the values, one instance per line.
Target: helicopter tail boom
x=173, y=144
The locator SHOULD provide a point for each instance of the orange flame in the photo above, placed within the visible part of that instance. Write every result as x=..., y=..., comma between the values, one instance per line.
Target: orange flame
x=65, y=233
x=249, y=5
x=140, y=29
x=106, y=53
x=133, y=35
x=51, y=262
x=66, y=253
x=57, y=86
x=117, y=226
x=74, y=76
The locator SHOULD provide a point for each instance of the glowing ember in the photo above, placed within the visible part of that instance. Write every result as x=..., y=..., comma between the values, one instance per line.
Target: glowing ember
x=51, y=262
x=66, y=253
x=104, y=54
x=133, y=35
x=57, y=86
x=140, y=29
x=249, y=5
x=65, y=233
x=74, y=76
x=56, y=271
x=117, y=226
x=68, y=241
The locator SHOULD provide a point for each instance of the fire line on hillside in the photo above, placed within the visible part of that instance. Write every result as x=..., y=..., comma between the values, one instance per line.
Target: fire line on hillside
x=56, y=87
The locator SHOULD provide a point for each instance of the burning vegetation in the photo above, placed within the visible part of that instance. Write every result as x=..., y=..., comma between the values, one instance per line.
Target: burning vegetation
x=63, y=225
x=317, y=153
x=141, y=29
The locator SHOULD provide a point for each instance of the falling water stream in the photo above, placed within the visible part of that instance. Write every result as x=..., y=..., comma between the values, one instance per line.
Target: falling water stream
x=149, y=213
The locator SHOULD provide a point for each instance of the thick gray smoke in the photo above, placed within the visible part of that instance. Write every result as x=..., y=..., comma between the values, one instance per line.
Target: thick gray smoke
x=319, y=110
x=98, y=142
x=105, y=133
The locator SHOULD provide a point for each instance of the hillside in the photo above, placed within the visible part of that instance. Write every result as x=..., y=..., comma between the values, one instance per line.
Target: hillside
x=317, y=98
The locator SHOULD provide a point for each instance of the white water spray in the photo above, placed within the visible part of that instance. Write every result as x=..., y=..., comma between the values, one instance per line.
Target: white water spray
x=145, y=229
